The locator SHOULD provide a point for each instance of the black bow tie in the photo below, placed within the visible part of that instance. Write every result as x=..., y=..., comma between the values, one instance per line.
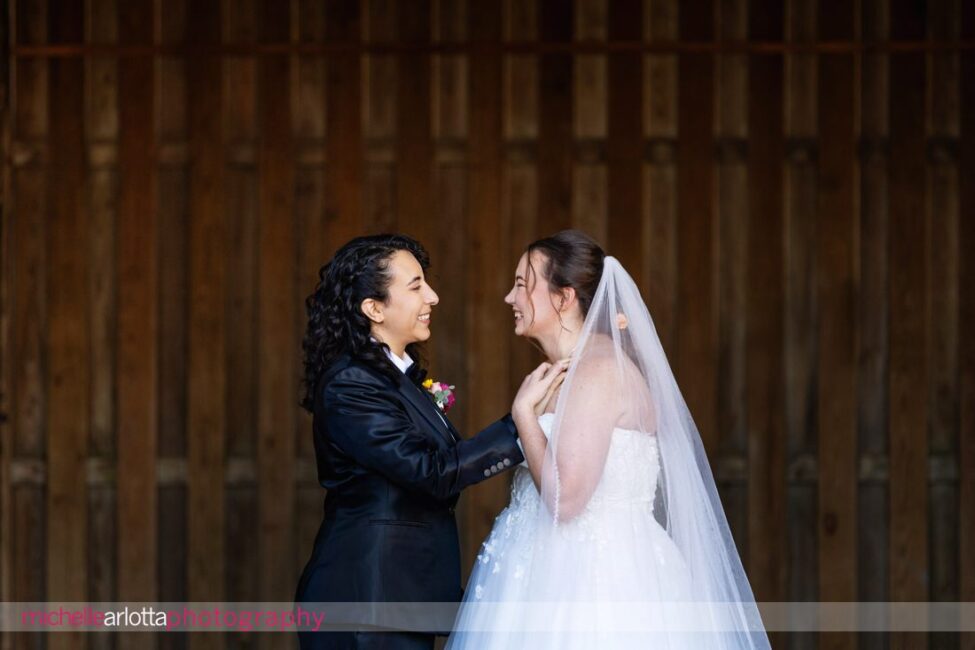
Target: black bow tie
x=416, y=373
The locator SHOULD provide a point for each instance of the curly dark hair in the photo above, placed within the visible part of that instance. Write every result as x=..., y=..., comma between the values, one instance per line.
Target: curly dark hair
x=336, y=324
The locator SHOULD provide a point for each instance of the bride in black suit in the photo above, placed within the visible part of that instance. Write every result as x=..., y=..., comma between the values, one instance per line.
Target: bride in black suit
x=393, y=464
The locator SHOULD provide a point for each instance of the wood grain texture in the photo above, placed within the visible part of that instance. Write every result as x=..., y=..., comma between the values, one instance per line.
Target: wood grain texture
x=450, y=236
x=659, y=259
x=309, y=114
x=521, y=82
x=415, y=201
x=138, y=323
x=521, y=174
x=730, y=248
x=102, y=132
x=767, y=504
x=24, y=541
x=590, y=115
x=101, y=135
x=344, y=171
x=836, y=255
x=943, y=347
x=207, y=382
x=624, y=142
x=966, y=315
x=278, y=347
x=800, y=107
x=695, y=365
x=872, y=388
x=173, y=346
x=555, y=110
x=67, y=350
x=242, y=23
x=908, y=246
x=487, y=279
x=6, y=351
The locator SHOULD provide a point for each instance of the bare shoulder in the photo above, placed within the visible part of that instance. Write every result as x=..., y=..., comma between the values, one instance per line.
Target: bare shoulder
x=599, y=369
x=606, y=371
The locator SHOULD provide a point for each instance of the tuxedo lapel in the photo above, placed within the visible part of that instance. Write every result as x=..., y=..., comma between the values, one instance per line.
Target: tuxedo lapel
x=427, y=408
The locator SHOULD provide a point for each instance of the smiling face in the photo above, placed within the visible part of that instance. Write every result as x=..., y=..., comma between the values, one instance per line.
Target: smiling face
x=531, y=300
x=405, y=316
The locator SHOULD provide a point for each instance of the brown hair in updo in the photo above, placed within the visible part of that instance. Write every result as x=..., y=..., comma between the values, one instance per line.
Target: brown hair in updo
x=573, y=259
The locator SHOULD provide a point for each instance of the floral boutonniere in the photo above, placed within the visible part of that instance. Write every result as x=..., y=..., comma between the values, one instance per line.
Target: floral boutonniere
x=443, y=394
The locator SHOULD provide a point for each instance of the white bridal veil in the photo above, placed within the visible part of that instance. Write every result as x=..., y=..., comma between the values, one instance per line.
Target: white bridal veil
x=619, y=380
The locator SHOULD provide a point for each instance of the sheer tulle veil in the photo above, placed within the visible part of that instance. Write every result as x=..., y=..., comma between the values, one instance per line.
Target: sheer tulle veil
x=619, y=366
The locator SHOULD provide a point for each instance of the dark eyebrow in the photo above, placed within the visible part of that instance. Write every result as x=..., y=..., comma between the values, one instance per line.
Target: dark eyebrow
x=416, y=279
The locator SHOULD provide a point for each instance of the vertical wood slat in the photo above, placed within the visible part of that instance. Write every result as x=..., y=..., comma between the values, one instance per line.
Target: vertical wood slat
x=943, y=283
x=170, y=76
x=624, y=142
x=7, y=264
x=521, y=82
x=309, y=109
x=344, y=171
x=101, y=124
x=521, y=175
x=206, y=388
x=240, y=24
x=172, y=204
x=799, y=313
x=101, y=135
x=767, y=562
x=67, y=421
x=908, y=273
x=450, y=24
x=696, y=338
x=308, y=89
x=730, y=256
x=26, y=508
x=966, y=315
x=942, y=342
x=449, y=245
x=277, y=347
x=241, y=131
x=379, y=76
x=555, y=141
x=660, y=178
x=414, y=144
x=137, y=360
x=590, y=97
x=487, y=392
x=836, y=253
x=872, y=438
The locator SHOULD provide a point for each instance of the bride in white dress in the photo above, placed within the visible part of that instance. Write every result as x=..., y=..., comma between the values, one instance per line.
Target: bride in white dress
x=614, y=536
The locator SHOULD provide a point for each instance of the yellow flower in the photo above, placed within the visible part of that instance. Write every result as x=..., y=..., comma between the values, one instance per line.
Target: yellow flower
x=428, y=383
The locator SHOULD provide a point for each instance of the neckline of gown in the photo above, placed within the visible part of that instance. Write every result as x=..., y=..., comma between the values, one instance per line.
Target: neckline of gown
x=652, y=435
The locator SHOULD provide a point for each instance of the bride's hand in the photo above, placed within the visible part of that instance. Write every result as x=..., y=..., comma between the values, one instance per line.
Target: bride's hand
x=538, y=386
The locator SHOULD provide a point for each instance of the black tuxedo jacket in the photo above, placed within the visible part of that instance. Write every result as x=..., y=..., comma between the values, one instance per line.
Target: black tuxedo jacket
x=393, y=469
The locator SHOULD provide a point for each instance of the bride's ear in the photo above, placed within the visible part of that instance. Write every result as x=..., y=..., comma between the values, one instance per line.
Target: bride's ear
x=567, y=298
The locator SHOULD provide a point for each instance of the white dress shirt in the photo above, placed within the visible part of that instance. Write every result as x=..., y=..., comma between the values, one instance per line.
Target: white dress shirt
x=403, y=363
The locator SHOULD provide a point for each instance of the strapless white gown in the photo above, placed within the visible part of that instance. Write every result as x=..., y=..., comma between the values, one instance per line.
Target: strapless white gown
x=622, y=562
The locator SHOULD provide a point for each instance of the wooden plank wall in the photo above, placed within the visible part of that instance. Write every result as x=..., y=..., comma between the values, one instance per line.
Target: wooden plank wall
x=798, y=220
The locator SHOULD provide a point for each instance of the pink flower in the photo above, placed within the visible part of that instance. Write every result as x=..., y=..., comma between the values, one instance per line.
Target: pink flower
x=442, y=394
